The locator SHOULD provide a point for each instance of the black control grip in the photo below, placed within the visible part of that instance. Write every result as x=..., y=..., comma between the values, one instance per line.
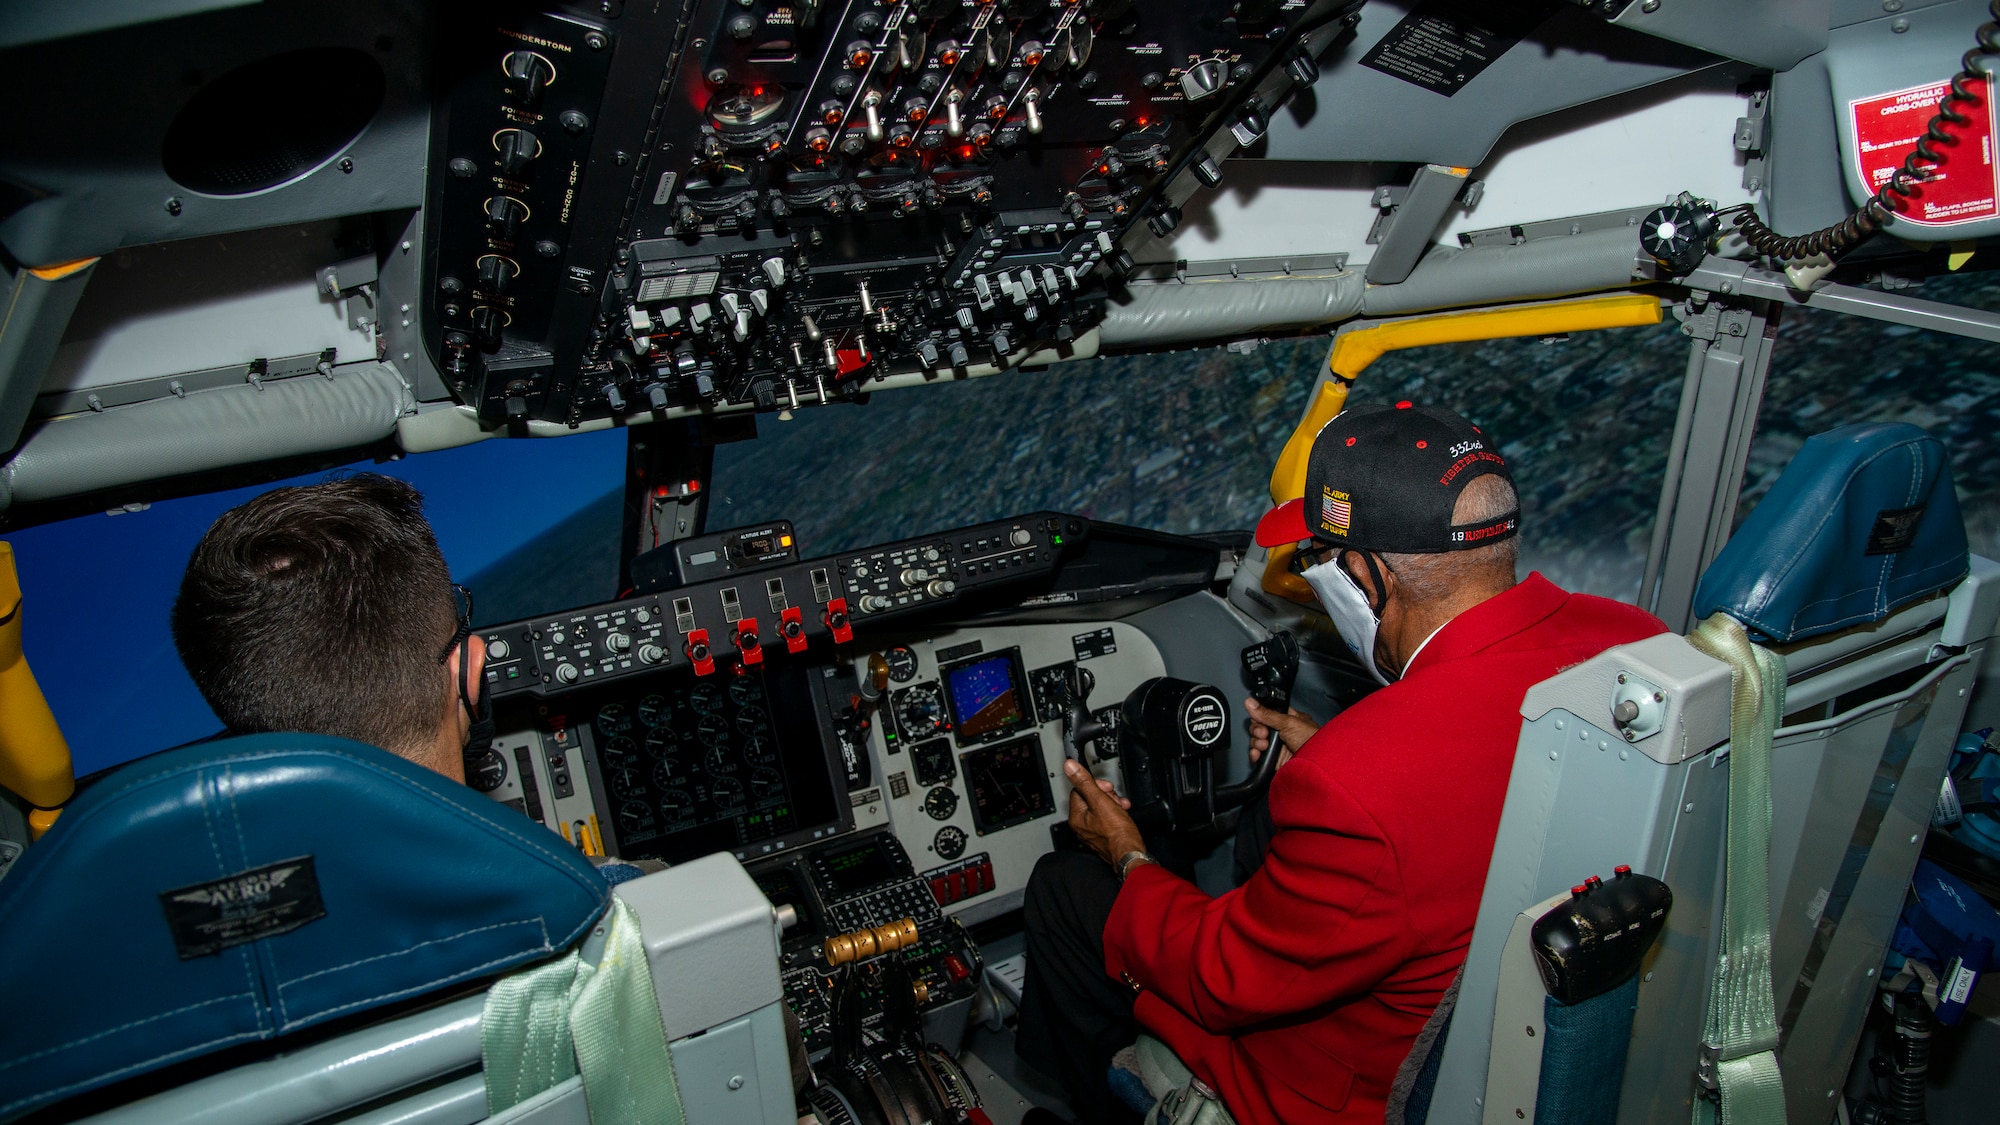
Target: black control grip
x=1269, y=668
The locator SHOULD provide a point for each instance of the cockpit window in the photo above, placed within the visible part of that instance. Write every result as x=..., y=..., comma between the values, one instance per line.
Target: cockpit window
x=97, y=590
x=1832, y=370
x=1184, y=442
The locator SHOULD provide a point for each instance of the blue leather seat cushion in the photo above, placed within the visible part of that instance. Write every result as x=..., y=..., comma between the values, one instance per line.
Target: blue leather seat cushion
x=423, y=883
x=1864, y=520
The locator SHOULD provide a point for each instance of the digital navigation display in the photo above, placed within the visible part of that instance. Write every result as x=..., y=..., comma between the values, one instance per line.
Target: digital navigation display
x=987, y=697
x=1009, y=783
x=690, y=767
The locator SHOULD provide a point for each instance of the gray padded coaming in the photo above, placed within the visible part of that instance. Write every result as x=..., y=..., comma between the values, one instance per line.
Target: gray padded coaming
x=207, y=430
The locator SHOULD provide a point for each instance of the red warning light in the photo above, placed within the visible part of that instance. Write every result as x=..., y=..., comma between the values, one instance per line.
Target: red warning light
x=1142, y=121
x=860, y=59
x=965, y=152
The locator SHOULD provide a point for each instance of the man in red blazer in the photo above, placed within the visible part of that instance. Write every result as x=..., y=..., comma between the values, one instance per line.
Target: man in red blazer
x=1297, y=995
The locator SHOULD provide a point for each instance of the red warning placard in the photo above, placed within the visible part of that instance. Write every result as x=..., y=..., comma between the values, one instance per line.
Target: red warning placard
x=1962, y=186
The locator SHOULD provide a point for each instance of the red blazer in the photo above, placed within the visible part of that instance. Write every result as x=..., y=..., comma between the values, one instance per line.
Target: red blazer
x=1297, y=995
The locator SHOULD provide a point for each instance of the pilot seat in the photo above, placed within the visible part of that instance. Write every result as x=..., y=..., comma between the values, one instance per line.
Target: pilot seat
x=1846, y=621
x=286, y=928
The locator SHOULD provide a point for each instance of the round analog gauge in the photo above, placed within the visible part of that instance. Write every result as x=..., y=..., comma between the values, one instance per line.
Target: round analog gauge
x=902, y=664
x=756, y=747
x=669, y=773
x=752, y=717
x=765, y=782
x=726, y=791
x=712, y=729
x=654, y=710
x=920, y=710
x=624, y=780
x=486, y=770
x=661, y=742
x=634, y=816
x=949, y=843
x=940, y=803
x=720, y=760
x=745, y=690
x=614, y=719
x=705, y=698
x=676, y=804
x=619, y=747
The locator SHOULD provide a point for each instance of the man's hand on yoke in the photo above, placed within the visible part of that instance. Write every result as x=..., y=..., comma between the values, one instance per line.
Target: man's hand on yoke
x=1290, y=728
x=1099, y=816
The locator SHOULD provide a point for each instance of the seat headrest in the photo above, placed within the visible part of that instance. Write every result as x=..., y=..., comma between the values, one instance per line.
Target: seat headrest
x=246, y=888
x=1863, y=520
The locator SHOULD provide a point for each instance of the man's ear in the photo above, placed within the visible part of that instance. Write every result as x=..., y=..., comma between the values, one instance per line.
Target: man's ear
x=1365, y=576
x=475, y=650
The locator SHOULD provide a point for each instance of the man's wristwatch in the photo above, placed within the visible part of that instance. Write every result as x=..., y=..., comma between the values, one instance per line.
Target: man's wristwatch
x=1130, y=860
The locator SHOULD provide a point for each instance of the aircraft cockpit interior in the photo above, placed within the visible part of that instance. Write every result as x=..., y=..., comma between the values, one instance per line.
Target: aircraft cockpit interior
x=999, y=562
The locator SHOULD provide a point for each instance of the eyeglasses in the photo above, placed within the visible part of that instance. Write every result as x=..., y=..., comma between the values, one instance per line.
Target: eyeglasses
x=461, y=605
x=1311, y=553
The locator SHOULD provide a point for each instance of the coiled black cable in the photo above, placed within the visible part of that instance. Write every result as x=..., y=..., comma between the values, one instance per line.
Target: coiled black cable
x=1892, y=196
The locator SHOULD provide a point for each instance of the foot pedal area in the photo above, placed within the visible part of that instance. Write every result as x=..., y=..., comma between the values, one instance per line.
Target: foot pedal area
x=1009, y=977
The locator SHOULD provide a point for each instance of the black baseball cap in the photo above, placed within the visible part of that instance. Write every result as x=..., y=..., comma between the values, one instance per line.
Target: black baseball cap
x=1385, y=478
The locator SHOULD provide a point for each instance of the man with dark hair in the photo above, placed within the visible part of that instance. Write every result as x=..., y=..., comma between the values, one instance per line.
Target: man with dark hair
x=1296, y=996
x=328, y=609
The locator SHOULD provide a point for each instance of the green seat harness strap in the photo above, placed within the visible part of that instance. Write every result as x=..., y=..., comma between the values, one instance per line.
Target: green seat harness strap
x=568, y=1016
x=1740, y=1059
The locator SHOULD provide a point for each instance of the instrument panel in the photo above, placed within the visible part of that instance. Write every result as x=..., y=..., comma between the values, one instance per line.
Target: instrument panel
x=958, y=759
x=755, y=204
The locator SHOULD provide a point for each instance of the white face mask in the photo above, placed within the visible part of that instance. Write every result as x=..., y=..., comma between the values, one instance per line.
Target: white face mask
x=1343, y=601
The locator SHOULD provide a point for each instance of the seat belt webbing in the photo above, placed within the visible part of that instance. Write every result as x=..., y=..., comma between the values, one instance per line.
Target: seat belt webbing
x=542, y=1026
x=1741, y=1034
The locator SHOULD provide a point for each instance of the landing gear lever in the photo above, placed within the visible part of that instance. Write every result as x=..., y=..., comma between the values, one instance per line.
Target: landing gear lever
x=1079, y=725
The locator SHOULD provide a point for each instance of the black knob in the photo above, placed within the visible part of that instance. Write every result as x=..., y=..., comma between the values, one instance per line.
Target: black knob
x=518, y=150
x=1302, y=68
x=742, y=26
x=517, y=408
x=528, y=74
x=698, y=652
x=496, y=274
x=794, y=628
x=1677, y=235
x=748, y=642
x=486, y=324
x=503, y=217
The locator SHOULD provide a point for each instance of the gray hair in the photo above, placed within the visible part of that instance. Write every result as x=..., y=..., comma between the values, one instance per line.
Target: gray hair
x=1433, y=577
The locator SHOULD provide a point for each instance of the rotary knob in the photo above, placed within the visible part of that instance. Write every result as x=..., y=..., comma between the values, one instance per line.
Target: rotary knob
x=875, y=603
x=942, y=587
x=1203, y=79
x=498, y=649
x=915, y=576
x=518, y=150
x=528, y=74
x=567, y=672
x=503, y=217
x=618, y=642
x=496, y=274
x=651, y=654
x=1020, y=537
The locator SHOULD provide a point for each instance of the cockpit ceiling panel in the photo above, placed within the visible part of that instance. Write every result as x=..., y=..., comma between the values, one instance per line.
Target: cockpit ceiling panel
x=1623, y=152
x=1573, y=57
x=87, y=150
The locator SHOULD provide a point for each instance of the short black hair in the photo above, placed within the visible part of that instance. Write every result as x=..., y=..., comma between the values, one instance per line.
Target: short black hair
x=322, y=609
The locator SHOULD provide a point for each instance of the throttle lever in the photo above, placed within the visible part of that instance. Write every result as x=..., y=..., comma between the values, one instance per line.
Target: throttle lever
x=1079, y=725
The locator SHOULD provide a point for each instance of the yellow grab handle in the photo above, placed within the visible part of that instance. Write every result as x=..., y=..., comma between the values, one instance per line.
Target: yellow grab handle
x=34, y=758
x=1353, y=350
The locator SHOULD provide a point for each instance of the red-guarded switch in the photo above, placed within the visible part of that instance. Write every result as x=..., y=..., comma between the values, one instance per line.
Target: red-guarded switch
x=699, y=653
x=793, y=625
x=748, y=643
x=837, y=621
x=956, y=966
x=941, y=891
x=850, y=360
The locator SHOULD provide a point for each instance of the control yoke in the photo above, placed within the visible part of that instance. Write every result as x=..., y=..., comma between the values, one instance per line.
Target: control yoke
x=1079, y=725
x=1173, y=729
